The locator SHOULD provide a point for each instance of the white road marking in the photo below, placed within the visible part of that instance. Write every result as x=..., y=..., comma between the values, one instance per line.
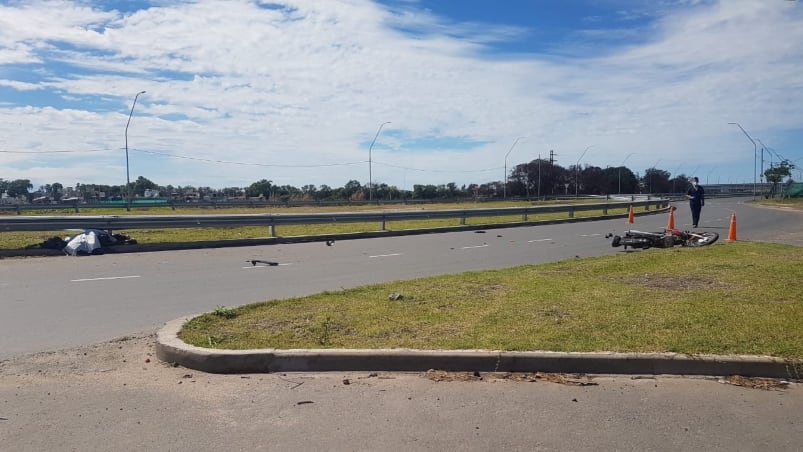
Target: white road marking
x=590, y=235
x=472, y=247
x=539, y=240
x=105, y=279
x=386, y=255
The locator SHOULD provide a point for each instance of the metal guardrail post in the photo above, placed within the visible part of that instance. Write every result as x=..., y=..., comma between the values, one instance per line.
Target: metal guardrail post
x=272, y=229
x=571, y=212
x=524, y=216
x=382, y=223
x=605, y=209
x=463, y=219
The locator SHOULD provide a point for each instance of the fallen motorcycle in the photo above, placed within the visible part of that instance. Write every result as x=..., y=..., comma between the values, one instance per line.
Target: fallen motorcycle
x=666, y=239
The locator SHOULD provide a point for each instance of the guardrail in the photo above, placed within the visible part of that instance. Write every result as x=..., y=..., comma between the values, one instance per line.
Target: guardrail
x=111, y=223
x=76, y=206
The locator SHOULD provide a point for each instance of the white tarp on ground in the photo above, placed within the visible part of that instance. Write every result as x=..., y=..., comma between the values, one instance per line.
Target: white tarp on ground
x=82, y=243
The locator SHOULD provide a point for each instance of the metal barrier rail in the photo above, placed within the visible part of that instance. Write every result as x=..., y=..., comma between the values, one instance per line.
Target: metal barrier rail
x=76, y=206
x=110, y=223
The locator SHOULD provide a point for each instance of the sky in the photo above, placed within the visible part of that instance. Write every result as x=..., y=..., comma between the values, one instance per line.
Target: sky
x=400, y=92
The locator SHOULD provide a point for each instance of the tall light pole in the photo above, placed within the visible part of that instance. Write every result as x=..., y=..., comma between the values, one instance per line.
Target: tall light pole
x=761, y=173
x=620, y=171
x=504, y=181
x=577, y=171
x=755, y=151
x=370, y=181
x=127, y=173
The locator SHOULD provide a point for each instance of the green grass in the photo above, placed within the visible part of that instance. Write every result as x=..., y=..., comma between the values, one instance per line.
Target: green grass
x=18, y=240
x=741, y=298
x=789, y=203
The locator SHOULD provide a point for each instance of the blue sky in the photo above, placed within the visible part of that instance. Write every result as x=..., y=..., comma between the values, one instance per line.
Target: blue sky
x=294, y=91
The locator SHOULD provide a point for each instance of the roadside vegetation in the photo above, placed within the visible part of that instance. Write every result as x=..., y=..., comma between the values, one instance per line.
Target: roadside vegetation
x=729, y=298
x=18, y=240
x=786, y=203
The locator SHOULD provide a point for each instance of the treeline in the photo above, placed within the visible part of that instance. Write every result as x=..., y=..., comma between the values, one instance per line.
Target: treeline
x=537, y=179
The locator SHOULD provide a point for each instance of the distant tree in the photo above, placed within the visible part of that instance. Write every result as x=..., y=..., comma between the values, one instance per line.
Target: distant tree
x=56, y=190
x=139, y=186
x=352, y=188
x=308, y=191
x=776, y=173
x=324, y=192
x=680, y=183
x=425, y=191
x=261, y=188
x=232, y=192
x=656, y=181
x=19, y=187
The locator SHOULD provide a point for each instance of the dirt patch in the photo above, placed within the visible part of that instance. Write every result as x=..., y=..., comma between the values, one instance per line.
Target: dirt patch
x=756, y=383
x=676, y=282
x=565, y=379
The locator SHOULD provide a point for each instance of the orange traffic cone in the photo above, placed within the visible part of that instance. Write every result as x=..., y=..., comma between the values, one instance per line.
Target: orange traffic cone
x=671, y=223
x=630, y=218
x=732, y=228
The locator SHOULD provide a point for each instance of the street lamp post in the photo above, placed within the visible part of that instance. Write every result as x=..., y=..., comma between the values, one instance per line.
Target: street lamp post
x=504, y=180
x=370, y=148
x=127, y=173
x=761, y=173
x=755, y=151
x=620, y=171
x=577, y=171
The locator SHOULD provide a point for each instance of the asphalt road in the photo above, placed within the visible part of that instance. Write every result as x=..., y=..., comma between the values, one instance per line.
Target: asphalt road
x=114, y=395
x=56, y=302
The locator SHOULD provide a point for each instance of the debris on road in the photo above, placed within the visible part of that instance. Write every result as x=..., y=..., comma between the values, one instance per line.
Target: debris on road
x=767, y=384
x=565, y=379
x=254, y=262
x=91, y=241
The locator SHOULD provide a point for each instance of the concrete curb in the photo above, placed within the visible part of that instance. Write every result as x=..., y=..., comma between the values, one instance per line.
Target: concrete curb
x=171, y=349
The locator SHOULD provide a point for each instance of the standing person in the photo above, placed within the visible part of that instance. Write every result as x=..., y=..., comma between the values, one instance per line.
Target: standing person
x=696, y=196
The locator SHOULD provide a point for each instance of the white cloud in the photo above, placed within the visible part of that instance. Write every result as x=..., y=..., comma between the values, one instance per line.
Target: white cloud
x=310, y=84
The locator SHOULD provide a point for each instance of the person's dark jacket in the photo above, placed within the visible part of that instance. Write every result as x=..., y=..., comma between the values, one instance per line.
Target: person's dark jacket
x=697, y=195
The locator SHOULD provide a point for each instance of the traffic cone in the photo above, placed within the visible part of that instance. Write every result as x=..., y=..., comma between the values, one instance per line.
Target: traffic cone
x=671, y=223
x=630, y=218
x=732, y=228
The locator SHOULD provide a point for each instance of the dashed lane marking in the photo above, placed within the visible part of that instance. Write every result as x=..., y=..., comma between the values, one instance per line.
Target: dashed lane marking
x=476, y=246
x=108, y=278
x=539, y=240
x=386, y=255
x=590, y=235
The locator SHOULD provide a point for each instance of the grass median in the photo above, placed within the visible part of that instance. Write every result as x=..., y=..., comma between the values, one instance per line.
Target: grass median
x=22, y=239
x=729, y=298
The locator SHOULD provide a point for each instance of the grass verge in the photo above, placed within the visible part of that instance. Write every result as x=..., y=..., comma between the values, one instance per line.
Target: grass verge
x=21, y=239
x=733, y=298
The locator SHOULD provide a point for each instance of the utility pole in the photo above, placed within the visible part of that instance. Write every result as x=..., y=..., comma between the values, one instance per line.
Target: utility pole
x=552, y=161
